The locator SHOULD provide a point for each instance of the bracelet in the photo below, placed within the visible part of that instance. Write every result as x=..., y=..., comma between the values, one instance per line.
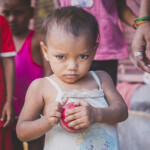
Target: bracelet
x=136, y=24
x=140, y=20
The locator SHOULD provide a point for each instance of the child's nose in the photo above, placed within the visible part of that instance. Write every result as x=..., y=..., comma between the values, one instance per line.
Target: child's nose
x=11, y=18
x=72, y=65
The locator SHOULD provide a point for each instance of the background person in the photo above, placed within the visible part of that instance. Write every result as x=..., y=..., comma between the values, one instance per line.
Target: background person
x=7, y=80
x=29, y=61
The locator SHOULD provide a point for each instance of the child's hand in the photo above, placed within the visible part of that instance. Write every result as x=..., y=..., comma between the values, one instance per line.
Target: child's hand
x=7, y=114
x=53, y=112
x=81, y=116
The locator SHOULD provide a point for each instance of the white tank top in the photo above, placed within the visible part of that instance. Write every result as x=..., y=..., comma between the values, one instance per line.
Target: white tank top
x=98, y=136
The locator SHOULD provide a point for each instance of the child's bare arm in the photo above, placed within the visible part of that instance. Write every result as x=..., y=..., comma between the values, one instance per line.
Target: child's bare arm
x=85, y=114
x=30, y=125
x=125, y=13
x=117, y=110
x=9, y=77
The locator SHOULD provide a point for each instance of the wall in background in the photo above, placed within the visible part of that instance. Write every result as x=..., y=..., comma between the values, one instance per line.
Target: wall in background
x=42, y=8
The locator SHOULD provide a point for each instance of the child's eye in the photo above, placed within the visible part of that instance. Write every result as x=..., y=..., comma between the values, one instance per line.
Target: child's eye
x=18, y=12
x=60, y=57
x=6, y=14
x=83, y=56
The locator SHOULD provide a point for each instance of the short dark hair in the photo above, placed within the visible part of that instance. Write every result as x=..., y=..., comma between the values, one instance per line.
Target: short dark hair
x=74, y=20
x=27, y=2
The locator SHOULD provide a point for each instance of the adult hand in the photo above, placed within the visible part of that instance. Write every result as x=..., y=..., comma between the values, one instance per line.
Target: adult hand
x=141, y=43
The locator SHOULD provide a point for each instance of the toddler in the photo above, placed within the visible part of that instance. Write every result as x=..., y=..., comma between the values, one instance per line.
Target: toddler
x=70, y=43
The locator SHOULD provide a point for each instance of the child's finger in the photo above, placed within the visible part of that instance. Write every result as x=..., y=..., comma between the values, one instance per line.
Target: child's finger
x=73, y=115
x=8, y=117
x=77, y=124
x=3, y=116
x=80, y=103
x=54, y=121
x=7, y=121
x=80, y=126
x=54, y=114
x=64, y=101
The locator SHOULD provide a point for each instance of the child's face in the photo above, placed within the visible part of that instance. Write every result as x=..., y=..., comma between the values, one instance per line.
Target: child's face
x=17, y=14
x=69, y=56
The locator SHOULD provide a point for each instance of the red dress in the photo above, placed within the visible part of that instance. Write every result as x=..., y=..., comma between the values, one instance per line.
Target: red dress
x=7, y=49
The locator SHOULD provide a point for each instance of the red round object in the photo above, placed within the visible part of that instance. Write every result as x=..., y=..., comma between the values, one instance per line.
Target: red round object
x=63, y=123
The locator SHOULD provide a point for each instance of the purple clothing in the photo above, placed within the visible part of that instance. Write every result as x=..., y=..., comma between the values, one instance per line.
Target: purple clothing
x=26, y=71
x=112, y=44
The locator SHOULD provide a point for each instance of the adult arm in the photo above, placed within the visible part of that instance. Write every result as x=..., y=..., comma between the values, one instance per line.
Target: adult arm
x=125, y=13
x=141, y=41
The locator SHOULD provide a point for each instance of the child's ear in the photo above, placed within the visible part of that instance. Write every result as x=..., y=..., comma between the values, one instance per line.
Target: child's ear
x=44, y=50
x=95, y=48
